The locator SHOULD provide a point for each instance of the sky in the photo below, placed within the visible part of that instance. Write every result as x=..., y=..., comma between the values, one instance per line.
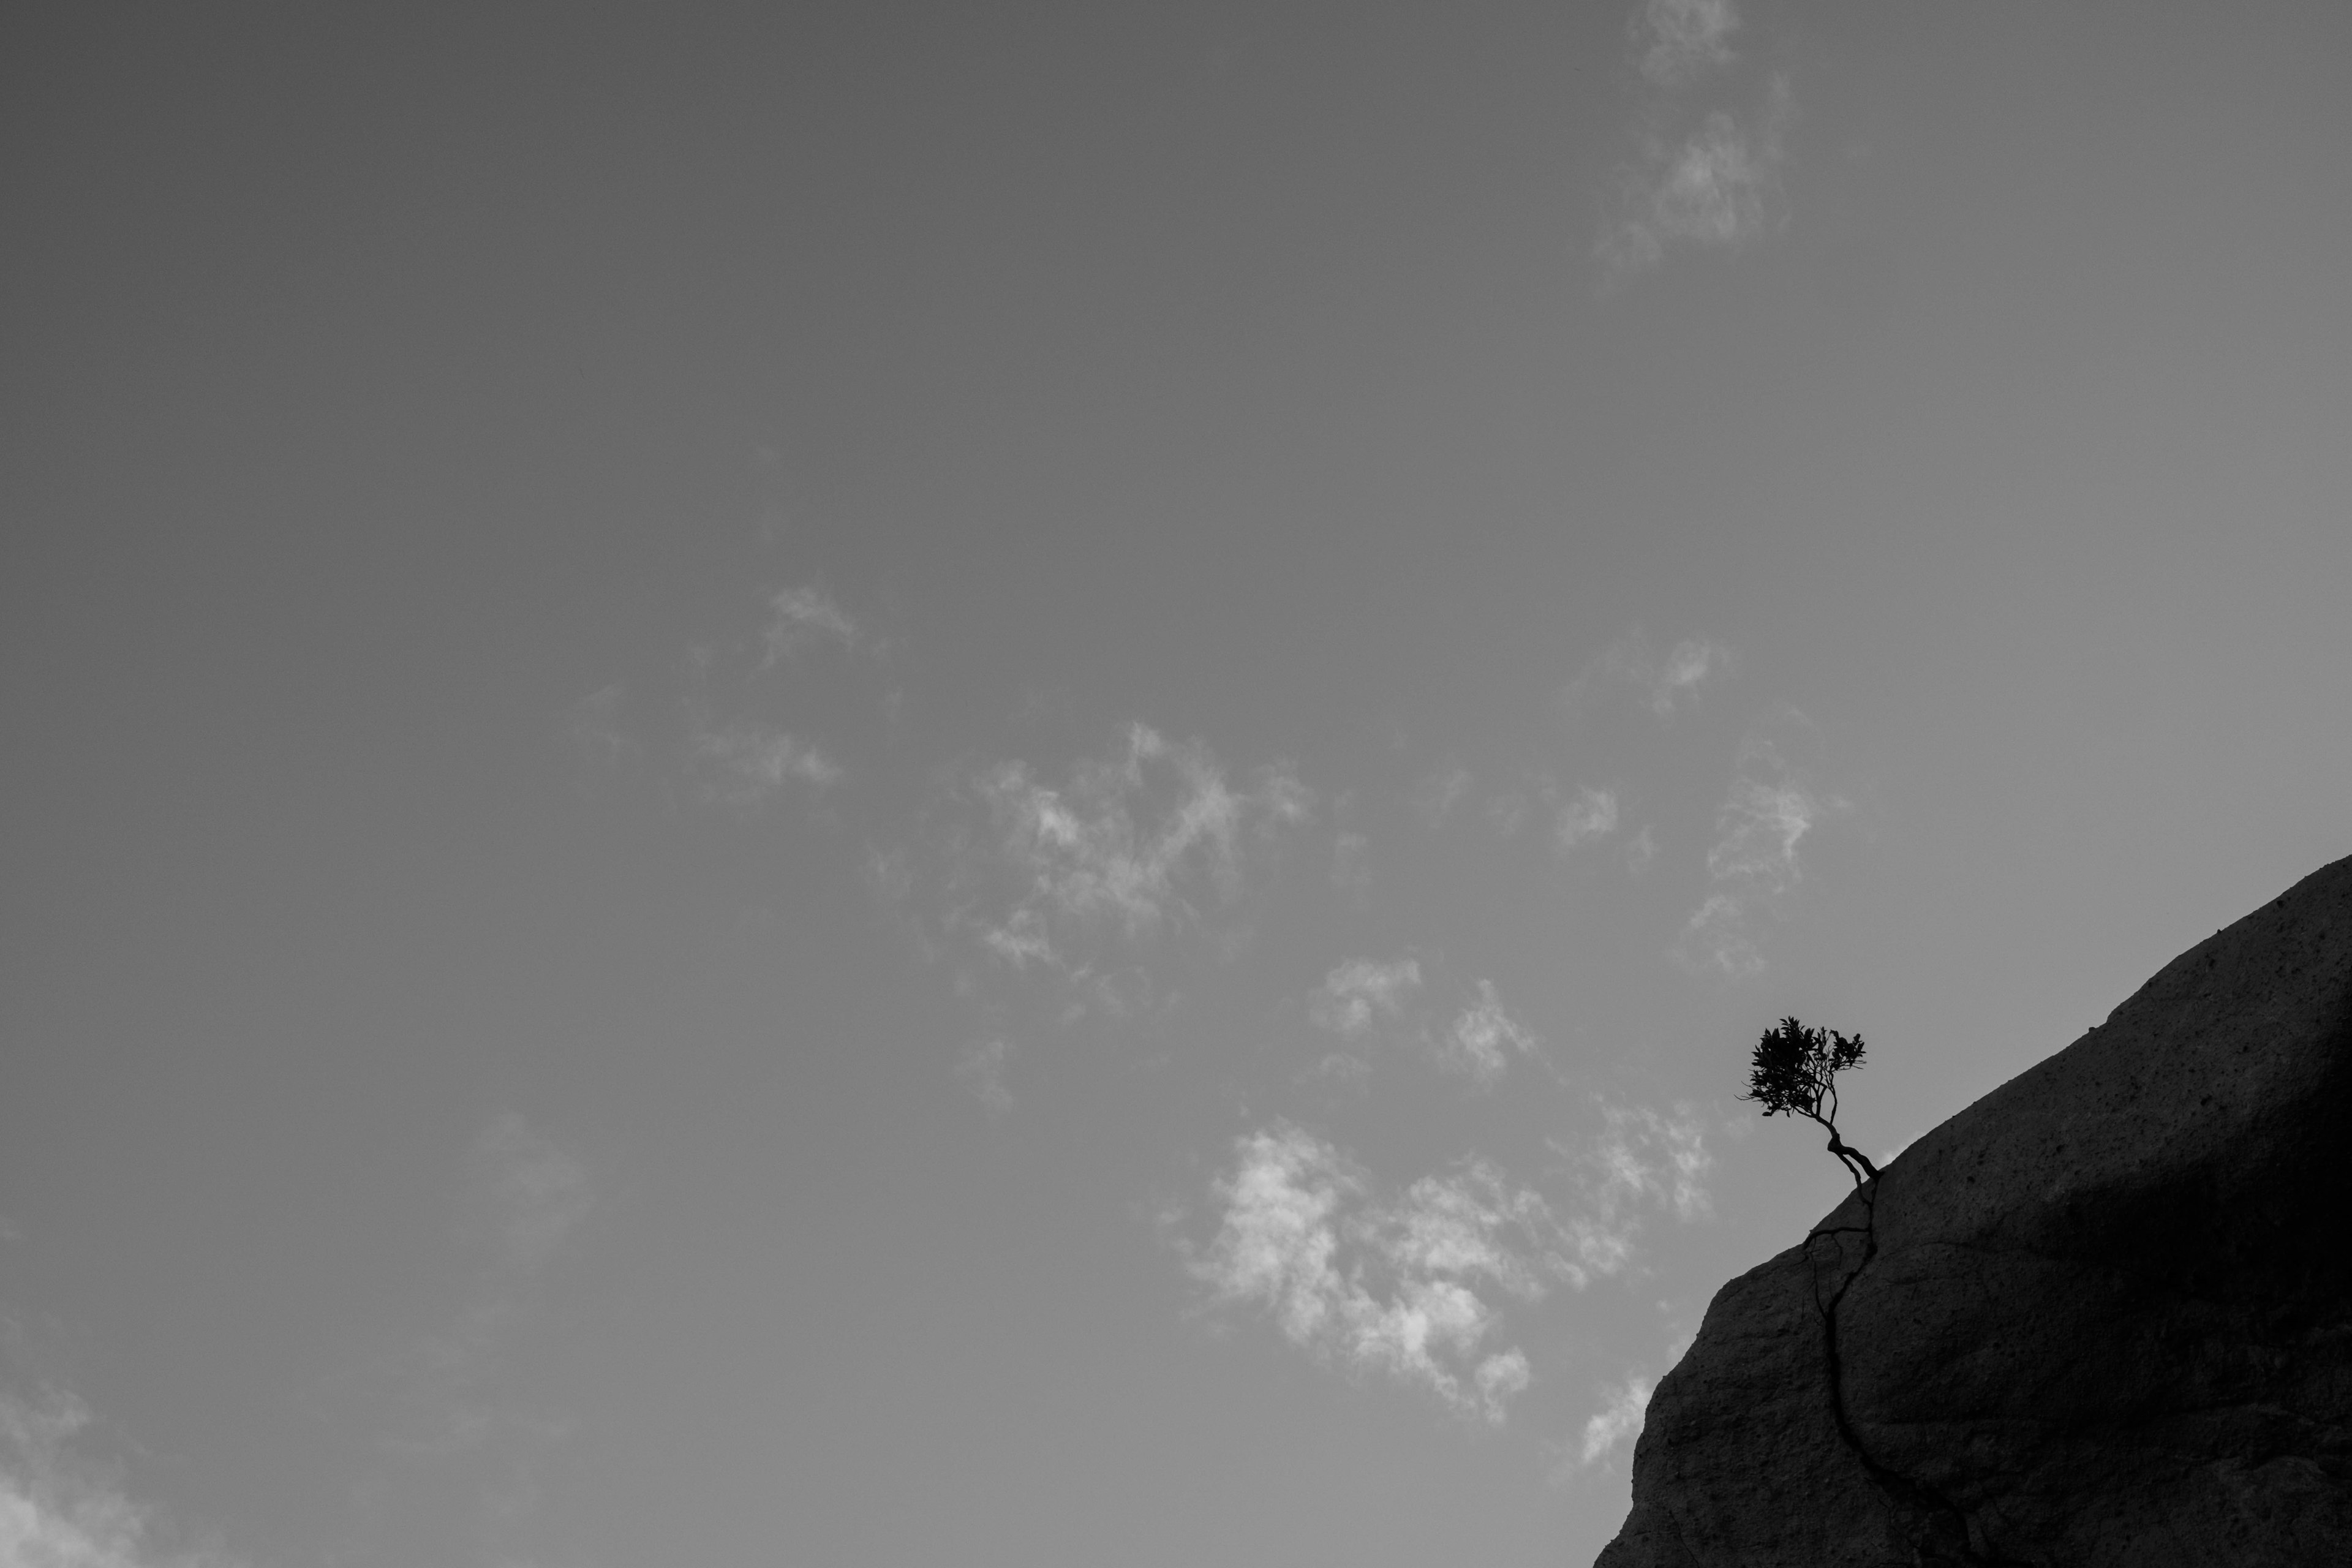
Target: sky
x=913, y=783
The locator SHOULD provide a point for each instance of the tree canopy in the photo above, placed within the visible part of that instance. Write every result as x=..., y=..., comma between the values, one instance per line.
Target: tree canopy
x=1794, y=1073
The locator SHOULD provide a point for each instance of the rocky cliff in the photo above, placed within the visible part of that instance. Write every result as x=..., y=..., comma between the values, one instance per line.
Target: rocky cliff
x=2102, y=1316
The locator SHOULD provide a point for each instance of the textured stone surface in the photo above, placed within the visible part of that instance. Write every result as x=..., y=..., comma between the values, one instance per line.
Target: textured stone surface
x=2102, y=1316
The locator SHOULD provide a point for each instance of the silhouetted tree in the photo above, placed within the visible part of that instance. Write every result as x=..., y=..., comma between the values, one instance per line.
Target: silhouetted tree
x=1795, y=1073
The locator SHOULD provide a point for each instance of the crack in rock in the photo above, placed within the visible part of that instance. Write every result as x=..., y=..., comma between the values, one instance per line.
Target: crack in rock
x=1900, y=1490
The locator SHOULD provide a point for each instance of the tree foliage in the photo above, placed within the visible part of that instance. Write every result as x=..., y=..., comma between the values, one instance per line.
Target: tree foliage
x=1794, y=1073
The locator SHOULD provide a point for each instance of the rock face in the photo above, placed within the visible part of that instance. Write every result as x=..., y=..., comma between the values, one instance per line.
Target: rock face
x=2102, y=1316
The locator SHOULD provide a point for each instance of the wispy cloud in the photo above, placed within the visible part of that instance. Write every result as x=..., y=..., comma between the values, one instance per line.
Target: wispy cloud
x=1437, y=795
x=1123, y=847
x=1723, y=934
x=1386, y=1285
x=457, y=1442
x=1356, y=994
x=799, y=616
x=1507, y=812
x=1703, y=173
x=982, y=1068
x=1416, y=1283
x=522, y=1199
x=1362, y=996
x=55, y=1512
x=1763, y=820
x=529, y=1194
x=1020, y=939
x=1640, y=850
x=1668, y=681
x=1714, y=186
x=597, y=729
x=1618, y=1419
x=1686, y=667
x=713, y=723
x=746, y=762
x=1351, y=869
x=1681, y=40
x=1591, y=815
x=1484, y=1036
x=1755, y=862
x=1644, y=1153
x=1640, y=1159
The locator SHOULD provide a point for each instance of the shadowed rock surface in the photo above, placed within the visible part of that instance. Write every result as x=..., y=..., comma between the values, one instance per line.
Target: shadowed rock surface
x=2104, y=1315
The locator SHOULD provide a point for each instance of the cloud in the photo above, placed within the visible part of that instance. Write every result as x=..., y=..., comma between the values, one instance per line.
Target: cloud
x=1640, y=1158
x=1600, y=1245
x=1500, y=1377
x=54, y=1515
x=1713, y=188
x=1351, y=870
x=1643, y=1154
x=982, y=1068
x=597, y=730
x=1414, y=1285
x=1640, y=850
x=1762, y=822
x=521, y=1199
x=747, y=762
x=1357, y=993
x=1440, y=793
x=457, y=1441
x=798, y=617
x=1481, y=1030
x=1686, y=667
x=1703, y=173
x=1755, y=862
x=1723, y=935
x=1021, y=940
x=1389, y=1286
x=1620, y=1417
x=1591, y=815
x=1507, y=812
x=712, y=735
x=1125, y=847
x=1342, y=1069
x=1682, y=39
x=1665, y=683
x=530, y=1193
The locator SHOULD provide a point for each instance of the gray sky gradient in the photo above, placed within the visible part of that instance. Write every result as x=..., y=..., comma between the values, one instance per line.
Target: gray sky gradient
x=902, y=784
